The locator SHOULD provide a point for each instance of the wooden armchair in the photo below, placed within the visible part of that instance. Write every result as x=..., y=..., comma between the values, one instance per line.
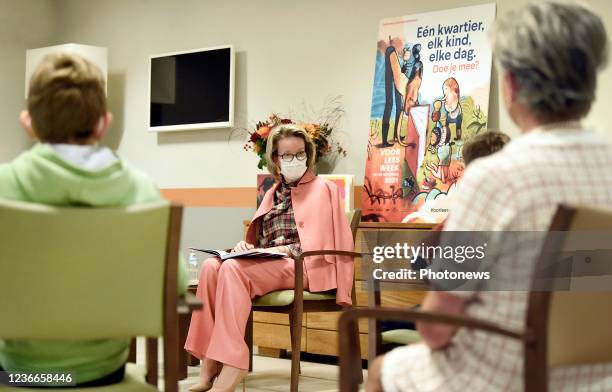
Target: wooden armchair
x=298, y=301
x=554, y=320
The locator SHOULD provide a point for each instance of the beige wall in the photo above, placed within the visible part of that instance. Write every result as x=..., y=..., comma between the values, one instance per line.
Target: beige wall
x=600, y=112
x=288, y=53
x=23, y=25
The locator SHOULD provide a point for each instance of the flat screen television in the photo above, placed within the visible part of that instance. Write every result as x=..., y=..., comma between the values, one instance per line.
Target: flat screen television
x=192, y=89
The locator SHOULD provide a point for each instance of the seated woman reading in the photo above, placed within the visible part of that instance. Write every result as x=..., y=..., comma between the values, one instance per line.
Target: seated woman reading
x=301, y=212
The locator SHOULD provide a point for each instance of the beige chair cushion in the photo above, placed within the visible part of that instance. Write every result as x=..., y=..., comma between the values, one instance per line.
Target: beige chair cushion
x=285, y=297
x=401, y=336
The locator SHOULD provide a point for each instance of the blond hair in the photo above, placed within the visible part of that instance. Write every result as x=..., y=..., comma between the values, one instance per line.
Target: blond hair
x=282, y=131
x=66, y=98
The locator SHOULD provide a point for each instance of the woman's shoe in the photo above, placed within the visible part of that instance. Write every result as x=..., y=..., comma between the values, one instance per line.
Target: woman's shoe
x=228, y=379
x=204, y=386
x=201, y=387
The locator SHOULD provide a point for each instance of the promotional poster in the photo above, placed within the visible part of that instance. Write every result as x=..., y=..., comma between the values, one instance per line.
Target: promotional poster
x=430, y=96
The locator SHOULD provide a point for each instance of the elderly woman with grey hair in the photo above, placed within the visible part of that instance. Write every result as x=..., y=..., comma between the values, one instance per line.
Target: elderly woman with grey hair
x=549, y=55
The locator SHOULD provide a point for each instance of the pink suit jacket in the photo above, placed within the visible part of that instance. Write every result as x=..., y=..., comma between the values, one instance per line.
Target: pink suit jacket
x=321, y=225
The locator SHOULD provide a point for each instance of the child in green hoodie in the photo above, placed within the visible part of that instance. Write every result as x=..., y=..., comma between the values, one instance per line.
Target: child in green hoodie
x=67, y=114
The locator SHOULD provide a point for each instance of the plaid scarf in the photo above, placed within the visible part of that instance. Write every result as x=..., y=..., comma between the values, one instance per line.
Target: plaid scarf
x=278, y=227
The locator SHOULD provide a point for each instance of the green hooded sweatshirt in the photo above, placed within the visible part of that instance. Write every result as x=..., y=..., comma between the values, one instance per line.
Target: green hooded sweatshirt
x=70, y=175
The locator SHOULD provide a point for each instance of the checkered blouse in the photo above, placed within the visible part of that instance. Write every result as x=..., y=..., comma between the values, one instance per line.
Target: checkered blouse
x=278, y=227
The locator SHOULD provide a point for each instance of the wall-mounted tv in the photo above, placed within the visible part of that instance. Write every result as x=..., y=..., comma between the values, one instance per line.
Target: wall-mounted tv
x=192, y=89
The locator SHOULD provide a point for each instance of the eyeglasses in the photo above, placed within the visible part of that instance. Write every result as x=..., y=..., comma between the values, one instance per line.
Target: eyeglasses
x=288, y=157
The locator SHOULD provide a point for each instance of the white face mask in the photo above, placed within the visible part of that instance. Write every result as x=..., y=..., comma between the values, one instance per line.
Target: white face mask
x=294, y=170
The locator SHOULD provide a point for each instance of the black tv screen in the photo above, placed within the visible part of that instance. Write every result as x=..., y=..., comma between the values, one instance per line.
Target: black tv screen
x=191, y=90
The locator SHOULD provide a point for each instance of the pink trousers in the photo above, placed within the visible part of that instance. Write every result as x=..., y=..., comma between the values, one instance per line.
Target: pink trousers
x=226, y=290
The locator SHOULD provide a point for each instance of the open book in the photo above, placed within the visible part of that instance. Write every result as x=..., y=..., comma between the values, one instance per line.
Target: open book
x=251, y=253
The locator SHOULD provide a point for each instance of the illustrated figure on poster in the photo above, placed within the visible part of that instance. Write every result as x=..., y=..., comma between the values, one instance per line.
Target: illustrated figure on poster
x=401, y=81
x=414, y=131
x=409, y=83
x=414, y=80
x=436, y=115
x=440, y=145
x=452, y=105
x=392, y=92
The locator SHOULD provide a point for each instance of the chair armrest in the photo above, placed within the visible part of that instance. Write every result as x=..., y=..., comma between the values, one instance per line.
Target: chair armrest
x=353, y=315
x=187, y=303
x=349, y=343
x=329, y=252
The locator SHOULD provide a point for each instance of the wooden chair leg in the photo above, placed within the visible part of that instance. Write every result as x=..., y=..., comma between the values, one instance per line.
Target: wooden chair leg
x=349, y=350
x=170, y=313
x=296, y=346
x=374, y=325
x=171, y=358
x=291, y=332
x=248, y=337
x=152, y=364
x=357, y=365
x=132, y=354
x=184, y=321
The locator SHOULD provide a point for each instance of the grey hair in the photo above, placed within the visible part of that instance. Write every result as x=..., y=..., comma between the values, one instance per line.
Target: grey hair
x=553, y=50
